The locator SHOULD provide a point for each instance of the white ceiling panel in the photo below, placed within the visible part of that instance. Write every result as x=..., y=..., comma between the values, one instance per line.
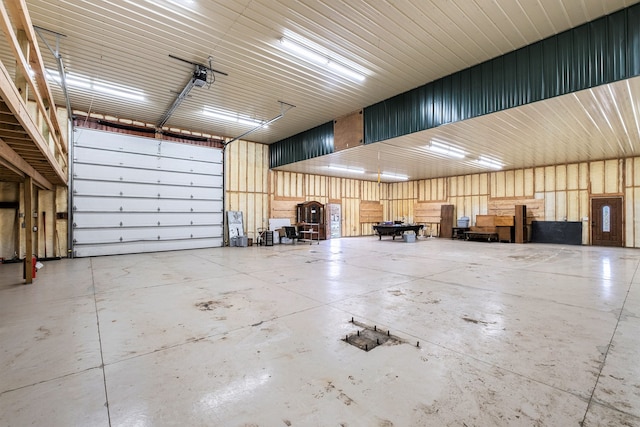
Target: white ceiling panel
x=399, y=45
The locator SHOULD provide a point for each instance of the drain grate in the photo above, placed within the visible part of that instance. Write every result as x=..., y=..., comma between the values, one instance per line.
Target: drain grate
x=369, y=337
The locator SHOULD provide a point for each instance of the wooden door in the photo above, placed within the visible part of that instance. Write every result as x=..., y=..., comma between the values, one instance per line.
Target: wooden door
x=446, y=221
x=606, y=222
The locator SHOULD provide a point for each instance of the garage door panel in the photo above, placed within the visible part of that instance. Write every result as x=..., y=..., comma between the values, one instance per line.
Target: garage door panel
x=128, y=189
x=119, y=174
x=89, y=138
x=107, y=204
x=114, y=235
x=115, y=141
x=96, y=156
x=133, y=194
x=195, y=152
x=138, y=247
x=122, y=219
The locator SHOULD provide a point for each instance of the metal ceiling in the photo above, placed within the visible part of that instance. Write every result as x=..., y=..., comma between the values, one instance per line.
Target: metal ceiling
x=398, y=45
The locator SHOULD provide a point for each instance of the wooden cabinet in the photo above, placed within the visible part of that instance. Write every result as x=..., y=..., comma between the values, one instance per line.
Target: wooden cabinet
x=521, y=224
x=505, y=228
x=312, y=213
x=505, y=233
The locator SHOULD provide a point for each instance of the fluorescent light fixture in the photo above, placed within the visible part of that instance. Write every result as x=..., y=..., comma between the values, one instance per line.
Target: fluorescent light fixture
x=394, y=176
x=345, y=169
x=233, y=117
x=304, y=52
x=341, y=69
x=317, y=58
x=446, y=149
x=489, y=162
x=182, y=3
x=185, y=4
x=81, y=82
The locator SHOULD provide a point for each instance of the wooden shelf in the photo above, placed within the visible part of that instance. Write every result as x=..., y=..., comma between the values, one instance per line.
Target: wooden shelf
x=307, y=231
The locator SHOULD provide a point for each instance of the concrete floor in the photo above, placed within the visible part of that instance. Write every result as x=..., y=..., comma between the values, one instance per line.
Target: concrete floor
x=510, y=335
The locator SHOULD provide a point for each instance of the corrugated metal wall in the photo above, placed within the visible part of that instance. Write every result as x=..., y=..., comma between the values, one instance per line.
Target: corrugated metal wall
x=306, y=145
x=602, y=51
x=599, y=52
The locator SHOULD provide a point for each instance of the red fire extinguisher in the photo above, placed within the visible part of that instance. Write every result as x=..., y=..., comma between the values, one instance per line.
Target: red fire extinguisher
x=34, y=260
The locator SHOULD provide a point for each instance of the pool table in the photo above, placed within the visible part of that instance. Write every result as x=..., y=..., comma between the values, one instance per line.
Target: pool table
x=396, y=229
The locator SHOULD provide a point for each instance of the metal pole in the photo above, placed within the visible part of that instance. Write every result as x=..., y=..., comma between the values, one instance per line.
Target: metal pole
x=70, y=134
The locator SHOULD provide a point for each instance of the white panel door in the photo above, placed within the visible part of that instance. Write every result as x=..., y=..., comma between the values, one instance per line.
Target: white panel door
x=134, y=194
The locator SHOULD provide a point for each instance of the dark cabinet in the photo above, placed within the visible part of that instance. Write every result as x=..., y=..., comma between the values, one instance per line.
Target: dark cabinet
x=312, y=213
x=521, y=224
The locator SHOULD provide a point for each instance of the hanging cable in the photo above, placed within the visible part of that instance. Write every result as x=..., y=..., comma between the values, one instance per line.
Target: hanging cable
x=283, y=111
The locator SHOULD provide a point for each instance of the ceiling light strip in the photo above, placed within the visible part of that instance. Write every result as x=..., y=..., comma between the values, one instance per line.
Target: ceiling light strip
x=394, y=176
x=82, y=82
x=488, y=162
x=446, y=149
x=231, y=117
x=345, y=169
x=317, y=58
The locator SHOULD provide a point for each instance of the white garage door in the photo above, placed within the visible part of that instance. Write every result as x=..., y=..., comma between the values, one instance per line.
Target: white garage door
x=133, y=194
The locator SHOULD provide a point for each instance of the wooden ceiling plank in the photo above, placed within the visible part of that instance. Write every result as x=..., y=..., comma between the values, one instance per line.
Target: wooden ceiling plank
x=17, y=162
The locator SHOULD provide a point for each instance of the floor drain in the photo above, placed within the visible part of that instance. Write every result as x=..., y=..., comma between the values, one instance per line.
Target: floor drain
x=369, y=337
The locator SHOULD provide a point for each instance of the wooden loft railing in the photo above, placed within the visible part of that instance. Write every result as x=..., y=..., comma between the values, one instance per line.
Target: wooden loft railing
x=32, y=143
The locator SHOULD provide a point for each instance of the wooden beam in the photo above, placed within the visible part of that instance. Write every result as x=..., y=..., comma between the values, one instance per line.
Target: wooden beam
x=15, y=162
x=8, y=165
x=54, y=217
x=12, y=98
x=22, y=79
x=28, y=229
x=22, y=21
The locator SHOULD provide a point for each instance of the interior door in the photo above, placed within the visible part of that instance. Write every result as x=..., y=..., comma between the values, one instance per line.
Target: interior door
x=335, y=220
x=606, y=221
x=446, y=221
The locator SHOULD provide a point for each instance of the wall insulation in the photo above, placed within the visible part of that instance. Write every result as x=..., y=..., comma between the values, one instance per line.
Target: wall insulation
x=551, y=193
x=246, y=182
